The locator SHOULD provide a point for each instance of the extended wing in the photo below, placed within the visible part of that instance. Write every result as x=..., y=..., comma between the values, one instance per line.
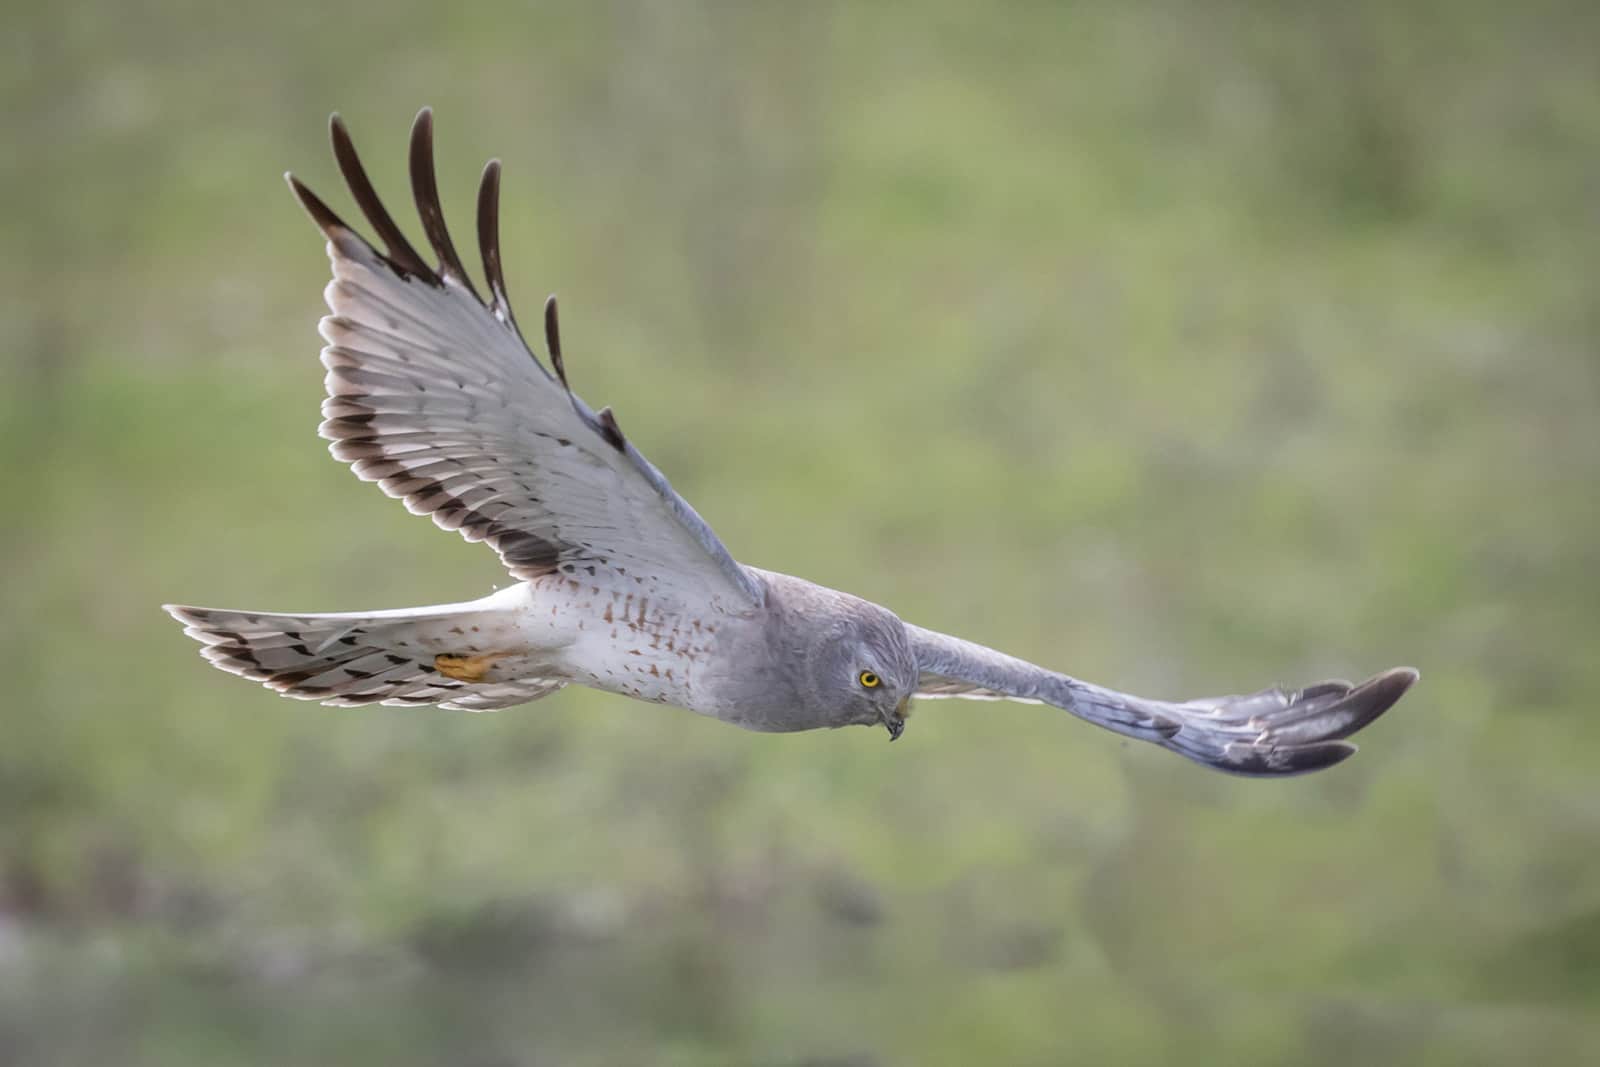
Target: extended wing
x=1273, y=732
x=434, y=395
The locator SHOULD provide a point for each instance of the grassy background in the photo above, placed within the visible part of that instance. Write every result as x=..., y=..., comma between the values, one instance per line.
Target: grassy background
x=1183, y=347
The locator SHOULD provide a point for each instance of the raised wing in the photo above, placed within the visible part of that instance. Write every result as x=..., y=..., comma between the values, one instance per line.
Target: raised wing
x=434, y=395
x=1273, y=732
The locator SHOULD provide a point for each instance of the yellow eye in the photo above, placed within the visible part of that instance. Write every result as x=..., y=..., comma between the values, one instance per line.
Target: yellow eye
x=869, y=680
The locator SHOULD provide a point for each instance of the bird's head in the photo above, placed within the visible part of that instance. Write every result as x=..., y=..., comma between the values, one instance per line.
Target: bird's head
x=863, y=672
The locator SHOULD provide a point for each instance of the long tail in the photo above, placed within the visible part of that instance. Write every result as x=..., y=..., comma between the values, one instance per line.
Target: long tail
x=411, y=656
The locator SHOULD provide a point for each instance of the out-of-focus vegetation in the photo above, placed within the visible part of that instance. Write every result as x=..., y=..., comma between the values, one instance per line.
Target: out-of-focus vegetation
x=1183, y=347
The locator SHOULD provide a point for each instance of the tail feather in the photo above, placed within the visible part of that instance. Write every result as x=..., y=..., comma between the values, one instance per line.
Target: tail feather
x=350, y=660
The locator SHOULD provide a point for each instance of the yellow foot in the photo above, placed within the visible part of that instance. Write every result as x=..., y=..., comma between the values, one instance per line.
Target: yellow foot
x=467, y=668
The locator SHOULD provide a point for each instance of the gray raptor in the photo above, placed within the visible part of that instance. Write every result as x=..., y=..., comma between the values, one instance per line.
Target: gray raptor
x=433, y=393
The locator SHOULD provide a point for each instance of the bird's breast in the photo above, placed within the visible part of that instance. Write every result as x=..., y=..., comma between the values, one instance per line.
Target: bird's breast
x=630, y=643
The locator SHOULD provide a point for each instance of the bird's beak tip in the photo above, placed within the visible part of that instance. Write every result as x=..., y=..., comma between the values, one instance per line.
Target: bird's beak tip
x=896, y=723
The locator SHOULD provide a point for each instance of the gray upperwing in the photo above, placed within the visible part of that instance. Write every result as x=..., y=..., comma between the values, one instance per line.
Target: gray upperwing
x=950, y=667
x=1269, y=733
x=434, y=394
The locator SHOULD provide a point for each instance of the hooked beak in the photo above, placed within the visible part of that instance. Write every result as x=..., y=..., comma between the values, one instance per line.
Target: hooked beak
x=895, y=722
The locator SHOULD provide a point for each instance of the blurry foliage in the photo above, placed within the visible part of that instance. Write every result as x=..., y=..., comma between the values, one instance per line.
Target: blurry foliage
x=1183, y=347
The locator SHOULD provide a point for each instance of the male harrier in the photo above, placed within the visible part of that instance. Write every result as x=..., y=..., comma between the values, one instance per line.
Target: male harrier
x=434, y=395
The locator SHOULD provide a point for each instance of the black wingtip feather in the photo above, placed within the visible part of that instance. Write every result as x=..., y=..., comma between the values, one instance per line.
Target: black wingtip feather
x=610, y=429
x=1267, y=761
x=425, y=189
x=1375, y=696
x=552, y=339
x=489, y=240
x=321, y=214
x=401, y=255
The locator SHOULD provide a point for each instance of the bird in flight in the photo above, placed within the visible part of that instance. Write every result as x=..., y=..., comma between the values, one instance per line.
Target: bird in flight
x=433, y=393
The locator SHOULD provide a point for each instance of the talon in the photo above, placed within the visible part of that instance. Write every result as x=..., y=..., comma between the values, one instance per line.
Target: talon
x=467, y=668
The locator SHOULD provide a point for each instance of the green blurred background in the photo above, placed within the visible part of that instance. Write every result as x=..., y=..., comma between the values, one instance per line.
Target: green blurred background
x=1186, y=348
